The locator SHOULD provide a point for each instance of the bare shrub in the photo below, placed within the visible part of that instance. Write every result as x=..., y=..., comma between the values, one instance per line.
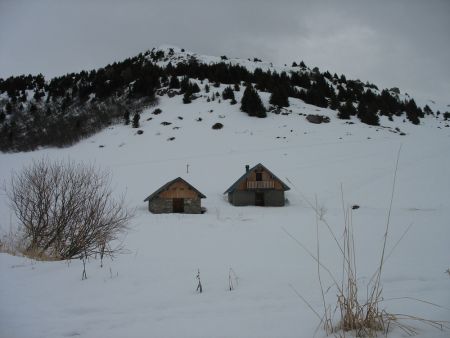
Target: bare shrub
x=66, y=210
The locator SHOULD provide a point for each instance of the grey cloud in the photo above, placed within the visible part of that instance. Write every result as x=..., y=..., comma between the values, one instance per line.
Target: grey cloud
x=402, y=43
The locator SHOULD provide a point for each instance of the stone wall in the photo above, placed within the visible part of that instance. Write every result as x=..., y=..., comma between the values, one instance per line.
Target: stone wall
x=192, y=206
x=160, y=205
x=272, y=198
x=242, y=198
x=165, y=205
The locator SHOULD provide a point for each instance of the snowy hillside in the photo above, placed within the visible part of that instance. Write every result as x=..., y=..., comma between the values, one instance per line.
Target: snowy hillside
x=150, y=290
x=37, y=112
x=176, y=55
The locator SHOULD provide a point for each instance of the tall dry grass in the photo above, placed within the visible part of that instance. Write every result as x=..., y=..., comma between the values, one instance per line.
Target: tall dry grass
x=358, y=313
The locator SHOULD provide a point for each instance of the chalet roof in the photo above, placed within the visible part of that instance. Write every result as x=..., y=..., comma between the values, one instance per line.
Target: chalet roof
x=243, y=177
x=168, y=184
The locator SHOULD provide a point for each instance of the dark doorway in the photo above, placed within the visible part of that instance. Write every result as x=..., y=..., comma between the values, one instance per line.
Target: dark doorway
x=178, y=205
x=259, y=199
x=259, y=177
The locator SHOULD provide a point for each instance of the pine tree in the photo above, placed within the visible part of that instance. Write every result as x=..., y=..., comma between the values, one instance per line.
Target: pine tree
x=316, y=97
x=228, y=94
x=194, y=88
x=164, y=80
x=8, y=108
x=184, y=84
x=327, y=75
x=279, y=97
x=334, y=102
x=246, y=98
x=300, y=79
x=136, y=118
x=174, y=82
x=37, y=95
x=126, y=117
x=361, y=109
x=367, y=113
x=251, y=103
x=33, y=108
x=412, y=112
x=346, y=110
x=427, y=110
x=372, y=115
x=187, y=97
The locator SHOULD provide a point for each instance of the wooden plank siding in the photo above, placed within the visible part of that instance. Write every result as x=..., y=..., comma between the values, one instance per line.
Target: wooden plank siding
x=260, y=184
x=179, y=190
x=268, y=182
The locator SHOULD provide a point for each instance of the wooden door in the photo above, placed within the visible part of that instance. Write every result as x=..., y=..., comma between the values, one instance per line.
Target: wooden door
x=259, y=199
x=178, y=205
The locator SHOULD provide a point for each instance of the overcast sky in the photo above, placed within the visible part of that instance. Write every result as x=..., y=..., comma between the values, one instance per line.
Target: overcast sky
x=403, y=43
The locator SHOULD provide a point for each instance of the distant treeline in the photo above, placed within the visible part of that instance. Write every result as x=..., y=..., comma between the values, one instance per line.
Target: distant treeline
x=35, y=112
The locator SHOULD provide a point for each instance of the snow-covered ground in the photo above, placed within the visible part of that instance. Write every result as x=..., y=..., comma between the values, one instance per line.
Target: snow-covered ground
x=150, y=290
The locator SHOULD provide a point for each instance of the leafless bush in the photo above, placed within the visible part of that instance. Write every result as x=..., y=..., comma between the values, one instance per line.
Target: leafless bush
x=67, y=210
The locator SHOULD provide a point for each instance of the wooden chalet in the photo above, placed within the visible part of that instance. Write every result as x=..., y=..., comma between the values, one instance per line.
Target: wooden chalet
x=258, y=186
x=176, y=196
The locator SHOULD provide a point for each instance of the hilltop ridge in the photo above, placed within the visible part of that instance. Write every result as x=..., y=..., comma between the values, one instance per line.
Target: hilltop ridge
x=36, y=112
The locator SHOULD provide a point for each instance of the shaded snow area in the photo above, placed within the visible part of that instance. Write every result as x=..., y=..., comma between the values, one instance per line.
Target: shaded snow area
x=150, y=290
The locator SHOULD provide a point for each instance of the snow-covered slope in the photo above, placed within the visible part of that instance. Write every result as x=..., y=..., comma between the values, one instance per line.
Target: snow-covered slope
x=150, y=290
x=175, y=55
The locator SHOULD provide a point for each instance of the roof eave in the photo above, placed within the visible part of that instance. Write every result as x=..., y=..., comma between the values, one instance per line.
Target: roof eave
x=165, y=186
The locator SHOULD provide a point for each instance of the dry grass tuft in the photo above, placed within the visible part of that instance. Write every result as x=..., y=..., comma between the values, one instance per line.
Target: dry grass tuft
x=360, y=315
x=13, y=243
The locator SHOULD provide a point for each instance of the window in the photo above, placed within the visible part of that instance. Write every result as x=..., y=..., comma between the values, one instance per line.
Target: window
x=259, y=176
